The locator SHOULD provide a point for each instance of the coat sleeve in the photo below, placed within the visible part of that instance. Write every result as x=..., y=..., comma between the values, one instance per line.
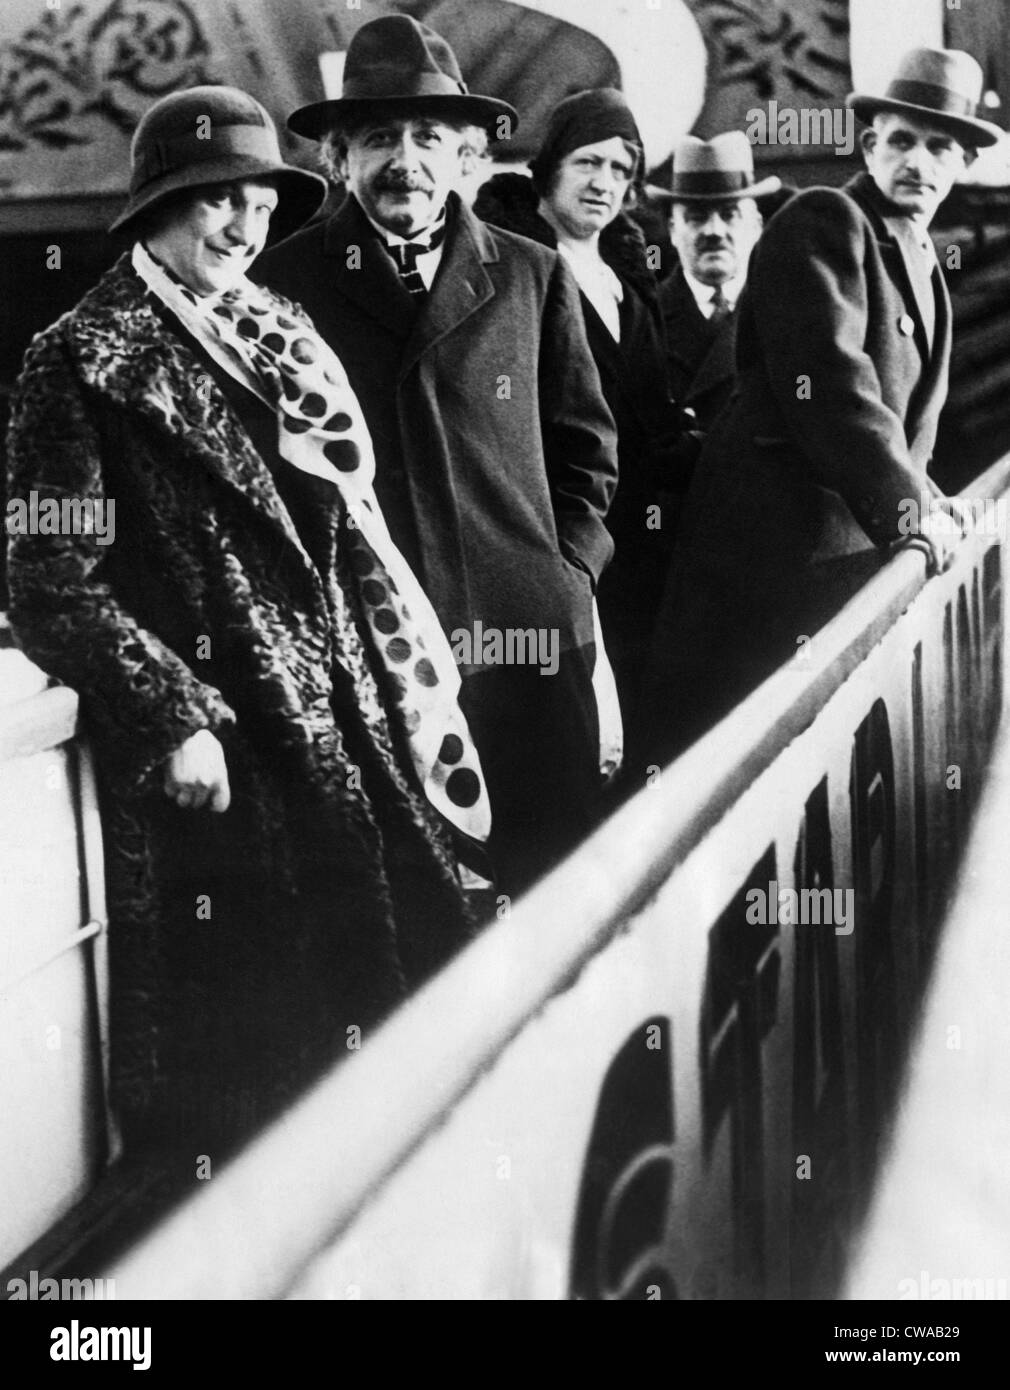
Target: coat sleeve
x=808, y=303
x=580, y=440
x=139, y=696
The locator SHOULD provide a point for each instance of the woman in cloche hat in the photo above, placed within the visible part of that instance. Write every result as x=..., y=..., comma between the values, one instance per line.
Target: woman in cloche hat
x=271, y=700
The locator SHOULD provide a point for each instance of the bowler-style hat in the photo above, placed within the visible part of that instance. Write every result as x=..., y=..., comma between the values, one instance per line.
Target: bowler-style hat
x=397, y=64
x=714, y=170
x=940, y=85
x=209, y=135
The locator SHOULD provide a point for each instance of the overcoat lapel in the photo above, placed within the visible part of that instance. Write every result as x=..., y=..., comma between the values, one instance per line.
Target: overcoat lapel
x=705, y=361
x=123, y=330
x=932, y=391
x=718, y=365
x=461, y=287
x=895, y=251
x=616, y=358
x=688, y=328
x=360, y=270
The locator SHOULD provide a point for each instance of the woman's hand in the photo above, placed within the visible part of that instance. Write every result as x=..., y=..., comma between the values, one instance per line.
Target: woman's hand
x=196, y=775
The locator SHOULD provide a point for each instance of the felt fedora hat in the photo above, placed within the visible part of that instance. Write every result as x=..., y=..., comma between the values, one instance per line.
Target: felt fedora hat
x=940, y=85
x=714, y=170
x=397, y=64
x=208, y=135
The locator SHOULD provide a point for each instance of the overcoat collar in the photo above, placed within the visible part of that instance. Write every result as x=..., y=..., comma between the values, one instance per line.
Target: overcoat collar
x=896, y=248
x=461, y=286
x=708, y=360
x=127, y=355
x=892, y=229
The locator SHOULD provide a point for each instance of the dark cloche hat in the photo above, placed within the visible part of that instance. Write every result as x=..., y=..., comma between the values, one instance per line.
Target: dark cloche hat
x=208, y=135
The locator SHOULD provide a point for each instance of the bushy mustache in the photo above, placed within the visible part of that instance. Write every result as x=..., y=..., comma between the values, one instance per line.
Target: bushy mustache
x=401, y=183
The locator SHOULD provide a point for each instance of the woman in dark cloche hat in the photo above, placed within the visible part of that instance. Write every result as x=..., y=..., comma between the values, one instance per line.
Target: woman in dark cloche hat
x=285, y=772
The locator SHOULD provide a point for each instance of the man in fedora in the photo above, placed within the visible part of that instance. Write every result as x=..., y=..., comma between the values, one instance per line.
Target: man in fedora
x=714, y=225
x=843, y=344
x=495, y=449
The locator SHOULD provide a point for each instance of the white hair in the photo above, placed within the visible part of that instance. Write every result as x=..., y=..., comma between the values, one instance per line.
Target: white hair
x=333, y=147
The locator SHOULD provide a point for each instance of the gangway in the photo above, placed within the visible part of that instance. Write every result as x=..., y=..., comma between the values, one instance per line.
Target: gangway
x=651, y=1080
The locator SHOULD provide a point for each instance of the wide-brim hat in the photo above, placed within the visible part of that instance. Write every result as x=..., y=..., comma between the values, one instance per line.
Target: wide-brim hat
x=208, y=135
x=714, y=170
x=398, y=65
x=940, y=85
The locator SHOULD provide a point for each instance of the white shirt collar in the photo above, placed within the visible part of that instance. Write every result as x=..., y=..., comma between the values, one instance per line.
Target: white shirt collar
x=394, y=239
x=599, y=284
x=732, y=289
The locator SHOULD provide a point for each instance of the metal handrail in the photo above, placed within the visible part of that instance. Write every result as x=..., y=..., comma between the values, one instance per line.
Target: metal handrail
x=308, y=1175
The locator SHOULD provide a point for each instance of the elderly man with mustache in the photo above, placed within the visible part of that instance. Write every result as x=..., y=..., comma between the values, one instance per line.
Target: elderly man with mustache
x=495, y=449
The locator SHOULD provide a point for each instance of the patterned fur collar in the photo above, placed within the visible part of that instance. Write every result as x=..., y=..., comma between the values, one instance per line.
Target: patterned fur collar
x=510, y=201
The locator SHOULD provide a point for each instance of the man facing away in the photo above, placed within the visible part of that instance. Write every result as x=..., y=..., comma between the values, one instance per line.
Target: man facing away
x=843, y=350
x=495, y=449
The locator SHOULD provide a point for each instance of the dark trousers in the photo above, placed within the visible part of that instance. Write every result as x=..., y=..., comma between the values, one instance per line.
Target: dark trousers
x=538, y=739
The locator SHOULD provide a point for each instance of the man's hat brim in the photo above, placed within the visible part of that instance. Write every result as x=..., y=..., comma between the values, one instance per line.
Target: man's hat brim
x=318, y=119
x=300, y=192
x=762, y=189
x=969, y=130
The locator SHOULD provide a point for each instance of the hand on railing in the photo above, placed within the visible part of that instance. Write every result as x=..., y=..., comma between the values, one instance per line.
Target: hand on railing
x=196, y=775
x=939, y=533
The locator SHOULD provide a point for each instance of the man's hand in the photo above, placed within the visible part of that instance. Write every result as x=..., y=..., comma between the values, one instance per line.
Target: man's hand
x=958, y=510
x=939, y=533
x=196, y=775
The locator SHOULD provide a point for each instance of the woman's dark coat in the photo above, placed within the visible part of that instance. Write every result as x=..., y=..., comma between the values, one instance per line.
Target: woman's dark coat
x=244, y=945
x=651, y=465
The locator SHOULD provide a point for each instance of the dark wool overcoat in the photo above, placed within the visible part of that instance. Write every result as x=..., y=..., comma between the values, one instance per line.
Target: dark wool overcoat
x=801, y=485
x=244, y=945
x=701, y=360
x=495, y=466
x=652, y=469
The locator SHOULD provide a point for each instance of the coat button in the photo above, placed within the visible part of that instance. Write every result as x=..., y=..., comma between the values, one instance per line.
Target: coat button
x=906, y=325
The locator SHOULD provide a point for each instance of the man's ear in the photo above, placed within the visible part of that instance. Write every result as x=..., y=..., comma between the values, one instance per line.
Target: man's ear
x=868, y=140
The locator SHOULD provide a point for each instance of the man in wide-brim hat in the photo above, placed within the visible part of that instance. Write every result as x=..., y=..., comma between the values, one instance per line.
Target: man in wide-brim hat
x=843, y=346
x=714, y=223
x=495, y=450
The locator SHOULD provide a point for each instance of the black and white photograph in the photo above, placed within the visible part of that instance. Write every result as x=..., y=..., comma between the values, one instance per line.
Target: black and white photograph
x=503, y=783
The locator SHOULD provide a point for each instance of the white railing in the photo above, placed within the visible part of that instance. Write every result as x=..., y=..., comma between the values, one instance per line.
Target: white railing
x=634, y=1087
x=55, y=1139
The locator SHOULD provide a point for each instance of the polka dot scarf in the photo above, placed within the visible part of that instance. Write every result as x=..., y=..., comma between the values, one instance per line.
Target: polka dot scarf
x=322, y=431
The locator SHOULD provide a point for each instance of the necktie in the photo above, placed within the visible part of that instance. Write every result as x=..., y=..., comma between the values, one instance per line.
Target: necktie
x=720, y=305
x=405, y=254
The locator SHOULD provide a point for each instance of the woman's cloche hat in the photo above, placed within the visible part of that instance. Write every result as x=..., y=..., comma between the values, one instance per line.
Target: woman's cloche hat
x=208, y=135
x=397, y=63
x=940, y=85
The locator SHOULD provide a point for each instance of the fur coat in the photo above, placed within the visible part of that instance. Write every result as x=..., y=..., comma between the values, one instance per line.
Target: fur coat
x=245, y=947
